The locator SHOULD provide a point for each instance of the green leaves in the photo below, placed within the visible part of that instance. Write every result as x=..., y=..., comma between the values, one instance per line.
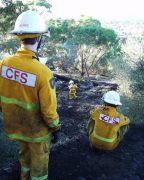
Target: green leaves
x=61, y=30
x=87, y=31
x=86, y=43
x=43, y=3
x=10, y=46
x=86, y=34
x=9, y=12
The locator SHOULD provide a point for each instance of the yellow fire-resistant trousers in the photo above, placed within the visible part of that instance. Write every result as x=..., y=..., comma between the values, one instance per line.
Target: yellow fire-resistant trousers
x=34, y=159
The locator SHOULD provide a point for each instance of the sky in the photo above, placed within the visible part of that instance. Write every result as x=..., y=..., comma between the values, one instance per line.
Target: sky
x=99, y=9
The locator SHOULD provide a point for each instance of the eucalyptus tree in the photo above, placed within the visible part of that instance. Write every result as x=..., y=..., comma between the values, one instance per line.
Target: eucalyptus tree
x=85, y=42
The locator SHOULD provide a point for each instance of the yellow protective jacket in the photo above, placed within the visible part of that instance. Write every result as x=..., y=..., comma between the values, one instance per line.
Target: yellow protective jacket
x=27, y=97
x=72, y=89
x=106, y=125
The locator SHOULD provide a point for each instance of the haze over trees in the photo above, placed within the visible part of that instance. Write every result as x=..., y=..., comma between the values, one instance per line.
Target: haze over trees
x=83, y=46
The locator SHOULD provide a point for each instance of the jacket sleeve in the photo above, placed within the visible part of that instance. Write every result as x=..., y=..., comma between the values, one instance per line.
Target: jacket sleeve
x=0, y=79
x=0, y=105
x=90, y=126
x=124, y=121
x=48, y=102
x=93, y=114
x=91, y=122
x=123, y=127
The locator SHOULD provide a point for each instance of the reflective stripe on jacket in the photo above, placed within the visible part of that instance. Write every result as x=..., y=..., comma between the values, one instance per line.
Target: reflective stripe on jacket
x=107, y=122
x=27, y=97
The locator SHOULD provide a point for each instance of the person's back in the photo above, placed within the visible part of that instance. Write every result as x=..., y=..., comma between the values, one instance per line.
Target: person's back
x=21, y=85
x=106, y=127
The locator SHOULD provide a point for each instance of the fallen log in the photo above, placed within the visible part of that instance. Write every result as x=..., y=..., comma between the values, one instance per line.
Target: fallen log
x=113, y=86
x=67, y=78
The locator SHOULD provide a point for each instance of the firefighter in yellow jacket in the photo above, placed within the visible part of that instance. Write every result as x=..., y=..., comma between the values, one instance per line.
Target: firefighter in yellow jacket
x=72, y=89
x=106, y=126
x=28, y=99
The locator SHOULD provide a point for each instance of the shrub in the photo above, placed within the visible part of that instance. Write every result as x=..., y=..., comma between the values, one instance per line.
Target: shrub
x=134, y=104
x=133, y=108
x=137, y=78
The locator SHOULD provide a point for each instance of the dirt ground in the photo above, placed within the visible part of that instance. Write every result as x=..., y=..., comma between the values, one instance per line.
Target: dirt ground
x=73, y=159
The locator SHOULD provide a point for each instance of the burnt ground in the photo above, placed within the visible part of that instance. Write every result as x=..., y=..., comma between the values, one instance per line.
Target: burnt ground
x=73, y=159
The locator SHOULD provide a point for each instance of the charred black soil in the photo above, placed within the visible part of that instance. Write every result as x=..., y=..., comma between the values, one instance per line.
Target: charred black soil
x=73, y=159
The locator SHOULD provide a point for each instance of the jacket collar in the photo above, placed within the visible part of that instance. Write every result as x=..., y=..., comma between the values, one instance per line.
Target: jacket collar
x=26, y=52
x=110, y=108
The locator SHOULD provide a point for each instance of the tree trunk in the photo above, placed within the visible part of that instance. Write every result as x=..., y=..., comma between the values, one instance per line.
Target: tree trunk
x=82, y=67
x=87, y=71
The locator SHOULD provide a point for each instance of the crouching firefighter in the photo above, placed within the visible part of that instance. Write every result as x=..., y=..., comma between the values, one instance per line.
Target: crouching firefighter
x=106, y=126
x=28, y=99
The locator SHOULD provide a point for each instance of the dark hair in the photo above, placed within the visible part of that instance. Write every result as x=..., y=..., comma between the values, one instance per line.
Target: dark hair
x=112, y=105
x=30, y=41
